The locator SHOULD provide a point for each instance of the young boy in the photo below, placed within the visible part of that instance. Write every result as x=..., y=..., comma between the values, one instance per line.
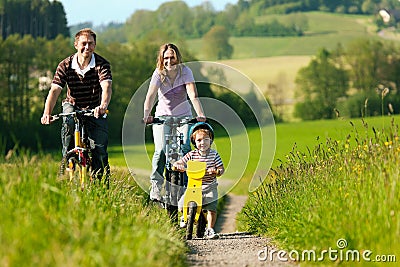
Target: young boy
x=202, y=136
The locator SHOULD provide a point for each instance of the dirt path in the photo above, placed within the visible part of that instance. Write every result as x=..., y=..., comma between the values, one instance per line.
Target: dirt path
x=234, y=249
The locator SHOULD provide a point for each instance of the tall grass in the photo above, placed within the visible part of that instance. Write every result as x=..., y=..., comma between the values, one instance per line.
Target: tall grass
x=47, y=222
x=345, y=188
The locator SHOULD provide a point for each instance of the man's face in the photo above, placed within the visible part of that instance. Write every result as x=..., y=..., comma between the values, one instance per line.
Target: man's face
x=85, y=46
x=169, y=59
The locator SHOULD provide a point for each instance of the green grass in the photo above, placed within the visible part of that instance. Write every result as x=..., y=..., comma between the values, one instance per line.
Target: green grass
x=345, y=186
x=47, y=222
x=241, y=153
x=325, y=30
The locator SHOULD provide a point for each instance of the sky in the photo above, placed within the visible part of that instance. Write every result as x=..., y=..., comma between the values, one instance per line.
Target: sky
x=105, y=11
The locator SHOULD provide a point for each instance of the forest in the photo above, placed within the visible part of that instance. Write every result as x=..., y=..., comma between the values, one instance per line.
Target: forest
x=31, y=49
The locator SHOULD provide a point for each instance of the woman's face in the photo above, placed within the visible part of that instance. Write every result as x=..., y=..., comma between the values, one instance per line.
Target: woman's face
x=170, y=60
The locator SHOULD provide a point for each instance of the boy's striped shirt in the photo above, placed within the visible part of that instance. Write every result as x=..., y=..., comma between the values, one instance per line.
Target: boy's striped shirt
x=212, y=159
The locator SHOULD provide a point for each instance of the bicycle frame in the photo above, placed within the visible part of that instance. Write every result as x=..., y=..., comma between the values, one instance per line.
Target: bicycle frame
x=80, y=155
x=174, y=141
x=193, y=199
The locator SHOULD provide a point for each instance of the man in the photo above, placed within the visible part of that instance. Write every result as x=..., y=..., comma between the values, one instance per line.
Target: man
x=88, y=79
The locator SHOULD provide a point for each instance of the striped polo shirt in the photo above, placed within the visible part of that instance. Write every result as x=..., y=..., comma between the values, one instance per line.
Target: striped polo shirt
x=83, y=86
x=212, y=159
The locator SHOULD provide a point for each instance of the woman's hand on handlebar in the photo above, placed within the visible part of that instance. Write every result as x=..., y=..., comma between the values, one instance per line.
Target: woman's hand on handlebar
x=148, y=119
x=201, y=119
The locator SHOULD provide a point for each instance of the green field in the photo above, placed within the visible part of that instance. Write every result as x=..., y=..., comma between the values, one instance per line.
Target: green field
x=342, y=193
x=47, y=222
x=325, y=30
x=289, y=136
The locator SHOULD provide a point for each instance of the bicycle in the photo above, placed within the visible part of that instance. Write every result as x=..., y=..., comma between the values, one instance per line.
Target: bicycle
x=193, y=200
x=174, y=141
x=78, y=159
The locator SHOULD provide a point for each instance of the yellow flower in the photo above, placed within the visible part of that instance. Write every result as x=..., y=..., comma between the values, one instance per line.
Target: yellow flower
x=386, y=143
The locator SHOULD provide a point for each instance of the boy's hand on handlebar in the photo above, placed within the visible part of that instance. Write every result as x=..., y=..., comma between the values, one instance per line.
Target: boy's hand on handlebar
x=177, y=166
x=217, y=172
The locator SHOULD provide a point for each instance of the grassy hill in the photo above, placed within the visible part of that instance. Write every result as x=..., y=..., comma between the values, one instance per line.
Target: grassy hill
x=277, y=59
x=324, y=30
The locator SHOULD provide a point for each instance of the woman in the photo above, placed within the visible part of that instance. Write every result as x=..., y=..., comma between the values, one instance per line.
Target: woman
x=173, y=82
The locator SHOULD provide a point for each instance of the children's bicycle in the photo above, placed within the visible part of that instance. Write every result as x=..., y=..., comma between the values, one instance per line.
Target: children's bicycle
x=193, y=200
x=77, y=161
x=174, y=140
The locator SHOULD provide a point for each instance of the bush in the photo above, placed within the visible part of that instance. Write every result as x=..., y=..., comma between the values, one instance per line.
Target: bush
x=370, y=104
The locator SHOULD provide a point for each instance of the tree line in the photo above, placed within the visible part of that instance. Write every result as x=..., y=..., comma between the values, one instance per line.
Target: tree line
x=26, y=70
x=38, y=18
x=176, y=18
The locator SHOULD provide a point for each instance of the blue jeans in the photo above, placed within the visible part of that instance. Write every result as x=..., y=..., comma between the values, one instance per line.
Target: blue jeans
x=97, y=130
x=159, y=160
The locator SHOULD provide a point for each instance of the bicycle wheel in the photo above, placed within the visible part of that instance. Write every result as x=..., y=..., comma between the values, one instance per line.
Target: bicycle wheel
x=192, y=208
x=201, y=225
x=176, y=180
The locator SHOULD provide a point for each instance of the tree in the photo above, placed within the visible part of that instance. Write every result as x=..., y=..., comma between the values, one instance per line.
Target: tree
x=320, y=85
x=216, y=43
x=203, y=19
x=367, y=61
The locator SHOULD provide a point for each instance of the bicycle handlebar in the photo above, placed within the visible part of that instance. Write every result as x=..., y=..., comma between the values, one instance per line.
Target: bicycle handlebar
x=179, y=120
x=216, y=171
x=83, y=112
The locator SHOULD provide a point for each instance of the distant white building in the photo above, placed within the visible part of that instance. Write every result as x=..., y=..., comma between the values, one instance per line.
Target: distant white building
x=388, y=15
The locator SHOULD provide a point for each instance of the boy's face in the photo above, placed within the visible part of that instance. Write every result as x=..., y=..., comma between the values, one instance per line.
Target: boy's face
x=203, y=141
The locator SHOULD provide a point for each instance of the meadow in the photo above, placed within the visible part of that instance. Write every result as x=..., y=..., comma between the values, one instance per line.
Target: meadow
x=343, y=193
x=48, y=222
x=327, y=179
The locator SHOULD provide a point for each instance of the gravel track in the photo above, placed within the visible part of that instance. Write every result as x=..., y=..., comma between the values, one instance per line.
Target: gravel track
x=234, y=249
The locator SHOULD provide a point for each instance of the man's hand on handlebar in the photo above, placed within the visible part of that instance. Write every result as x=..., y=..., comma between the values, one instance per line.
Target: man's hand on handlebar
x=99, y=111
x=46, y=119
